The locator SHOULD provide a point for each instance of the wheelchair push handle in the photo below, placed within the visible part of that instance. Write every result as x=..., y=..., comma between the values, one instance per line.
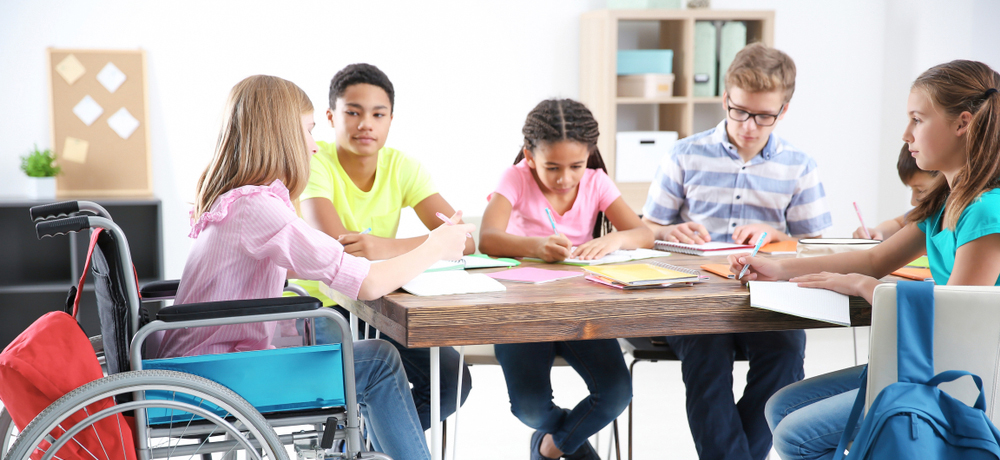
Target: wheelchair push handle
x=48, y=211
x=61, y=226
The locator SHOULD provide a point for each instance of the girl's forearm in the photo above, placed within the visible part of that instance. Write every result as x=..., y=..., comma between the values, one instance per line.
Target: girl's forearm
x=503, y=244
x=388, y=275
x=845, y=262
x=639, y=237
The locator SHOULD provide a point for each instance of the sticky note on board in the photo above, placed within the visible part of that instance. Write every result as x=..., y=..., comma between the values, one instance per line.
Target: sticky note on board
x=123, y=123
x=70, y=69
x=88, y=110
x=111, y=77
x=75, y=150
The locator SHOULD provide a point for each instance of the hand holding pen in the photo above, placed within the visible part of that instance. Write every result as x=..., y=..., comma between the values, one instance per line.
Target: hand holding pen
x=447, y=221
x=556, y=247
x=760, y=242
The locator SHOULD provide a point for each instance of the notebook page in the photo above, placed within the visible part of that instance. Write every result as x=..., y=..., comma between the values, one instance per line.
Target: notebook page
x=789, y=298
x=452, y=282
x=532, y=275
x=621, y=255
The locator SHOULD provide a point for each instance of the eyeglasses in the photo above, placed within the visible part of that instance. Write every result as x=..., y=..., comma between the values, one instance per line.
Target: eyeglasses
x=762, y=119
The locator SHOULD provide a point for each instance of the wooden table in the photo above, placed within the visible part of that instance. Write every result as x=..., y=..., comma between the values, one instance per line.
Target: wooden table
x=572, y=309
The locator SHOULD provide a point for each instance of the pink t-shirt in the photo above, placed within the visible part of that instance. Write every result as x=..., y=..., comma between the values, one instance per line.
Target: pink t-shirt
x=527, y=216
x=243, y=248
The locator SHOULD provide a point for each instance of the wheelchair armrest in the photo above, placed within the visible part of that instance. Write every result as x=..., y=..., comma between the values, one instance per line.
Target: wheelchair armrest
x=159, y=290
x=165, y=290
x=231, y=308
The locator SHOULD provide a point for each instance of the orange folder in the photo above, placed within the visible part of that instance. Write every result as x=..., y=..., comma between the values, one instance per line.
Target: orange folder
x=719, y=269
x=780, y=247
x=913, y=273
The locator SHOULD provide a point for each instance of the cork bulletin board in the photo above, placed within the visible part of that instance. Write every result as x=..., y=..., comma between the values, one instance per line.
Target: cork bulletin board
x=100, y=130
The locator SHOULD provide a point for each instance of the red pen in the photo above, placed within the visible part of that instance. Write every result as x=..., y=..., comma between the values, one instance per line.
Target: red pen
x=448, y=221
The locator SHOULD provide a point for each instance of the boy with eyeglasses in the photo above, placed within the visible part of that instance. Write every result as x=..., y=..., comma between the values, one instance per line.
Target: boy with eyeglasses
x=733, y=183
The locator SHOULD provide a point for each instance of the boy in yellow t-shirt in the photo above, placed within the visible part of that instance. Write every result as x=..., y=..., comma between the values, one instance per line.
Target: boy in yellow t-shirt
x=357, y=184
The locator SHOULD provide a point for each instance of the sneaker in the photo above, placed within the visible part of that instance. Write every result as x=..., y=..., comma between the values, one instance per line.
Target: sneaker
x=536, y=444
x=585, y=452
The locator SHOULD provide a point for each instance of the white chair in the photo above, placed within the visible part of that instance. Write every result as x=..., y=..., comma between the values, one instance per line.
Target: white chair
x=966, y=337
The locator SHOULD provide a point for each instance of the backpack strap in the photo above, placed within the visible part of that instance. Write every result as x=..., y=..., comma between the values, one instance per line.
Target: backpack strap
x=76, y=294
x=852, y=420
x=915, y=331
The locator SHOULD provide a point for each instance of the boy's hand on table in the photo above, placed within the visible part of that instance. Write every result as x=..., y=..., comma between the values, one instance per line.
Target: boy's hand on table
x=750, y=233
x=687, y=233
x=874, y=232
x=598, y=247
x=554, y=248
x=368, y=246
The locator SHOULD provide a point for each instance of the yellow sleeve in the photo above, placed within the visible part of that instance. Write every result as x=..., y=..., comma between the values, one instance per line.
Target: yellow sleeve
x=320, y=177
x=415, y=180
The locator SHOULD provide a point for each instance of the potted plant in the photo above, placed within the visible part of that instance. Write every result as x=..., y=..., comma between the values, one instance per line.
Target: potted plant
x=40, y=167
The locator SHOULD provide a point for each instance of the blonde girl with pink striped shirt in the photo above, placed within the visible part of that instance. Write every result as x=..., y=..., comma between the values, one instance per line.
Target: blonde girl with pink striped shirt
x=248, y=238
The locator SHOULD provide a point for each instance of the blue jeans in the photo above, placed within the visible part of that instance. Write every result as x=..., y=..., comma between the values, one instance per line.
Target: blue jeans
x=722, y=427
x=386, y=404
x=808, y=418
x=527, y=368
x=417, y=363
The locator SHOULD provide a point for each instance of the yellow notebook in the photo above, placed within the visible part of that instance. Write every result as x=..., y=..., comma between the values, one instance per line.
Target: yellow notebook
x=645, y=274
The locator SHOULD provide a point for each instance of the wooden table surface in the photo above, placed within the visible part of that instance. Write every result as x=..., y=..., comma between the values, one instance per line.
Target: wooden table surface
x=577, y=309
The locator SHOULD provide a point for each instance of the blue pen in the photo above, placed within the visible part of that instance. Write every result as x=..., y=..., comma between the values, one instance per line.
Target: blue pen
x=551, y=221
x=366, y=231
x=760, y=242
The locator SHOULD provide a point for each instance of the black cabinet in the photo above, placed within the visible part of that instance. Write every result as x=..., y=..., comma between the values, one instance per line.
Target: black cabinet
x=35, y=275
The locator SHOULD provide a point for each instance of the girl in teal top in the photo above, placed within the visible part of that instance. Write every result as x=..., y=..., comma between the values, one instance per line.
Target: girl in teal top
x=954, y=128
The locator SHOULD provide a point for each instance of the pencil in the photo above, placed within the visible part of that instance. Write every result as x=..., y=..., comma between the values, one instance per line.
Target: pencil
x=863, y=227
x=551, y=221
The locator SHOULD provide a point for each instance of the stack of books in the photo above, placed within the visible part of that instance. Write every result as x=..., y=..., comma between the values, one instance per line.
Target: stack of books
x=642, y=276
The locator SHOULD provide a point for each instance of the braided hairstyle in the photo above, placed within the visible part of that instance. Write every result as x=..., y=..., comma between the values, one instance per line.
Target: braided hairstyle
x=555, y=120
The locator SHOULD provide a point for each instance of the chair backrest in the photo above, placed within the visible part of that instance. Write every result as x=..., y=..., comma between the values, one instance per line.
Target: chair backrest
x=114, y=309
x=966, y=337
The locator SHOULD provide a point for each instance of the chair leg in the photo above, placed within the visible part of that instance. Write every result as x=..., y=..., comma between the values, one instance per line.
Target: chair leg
x=631, y=374
x=618, y=445
x=444, y=439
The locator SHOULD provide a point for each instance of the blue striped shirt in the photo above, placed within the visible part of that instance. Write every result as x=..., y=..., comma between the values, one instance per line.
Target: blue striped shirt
x=704, y=180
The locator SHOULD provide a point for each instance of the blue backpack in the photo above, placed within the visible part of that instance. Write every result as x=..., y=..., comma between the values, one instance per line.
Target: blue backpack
x=912, y=418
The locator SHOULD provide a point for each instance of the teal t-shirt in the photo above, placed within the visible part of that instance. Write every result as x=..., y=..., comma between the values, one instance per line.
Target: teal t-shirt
x=980, y=218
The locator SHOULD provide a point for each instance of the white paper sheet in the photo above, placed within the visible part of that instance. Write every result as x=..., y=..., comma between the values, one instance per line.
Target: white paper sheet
x=88, y=110
x=111, y=77
x=789, y=298
x=452, y=282
x=123, y=123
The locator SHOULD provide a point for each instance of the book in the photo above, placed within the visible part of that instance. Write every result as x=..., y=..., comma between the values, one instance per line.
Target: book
x=484, y=261
x=707, y=249
x=921, y=262
x=789, y=298
x=646, y=274
x=452, y=282
x=914, y=273
x=627, y=287
x=719, y=269
x=781, y=247
x=532, y=275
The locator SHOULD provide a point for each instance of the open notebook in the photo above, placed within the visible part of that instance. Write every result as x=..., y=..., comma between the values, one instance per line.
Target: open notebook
x=789, y=298
x=619, y=256
x=452, y=282
x=707, y=249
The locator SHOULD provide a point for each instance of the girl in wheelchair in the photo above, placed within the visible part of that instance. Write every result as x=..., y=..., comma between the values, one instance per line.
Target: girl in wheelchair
x=248, y=239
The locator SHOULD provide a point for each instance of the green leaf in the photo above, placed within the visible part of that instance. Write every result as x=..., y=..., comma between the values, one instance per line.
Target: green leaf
x=40, y=163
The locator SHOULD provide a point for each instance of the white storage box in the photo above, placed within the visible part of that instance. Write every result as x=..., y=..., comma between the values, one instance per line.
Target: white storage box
x=646, y=85
x=638, y=153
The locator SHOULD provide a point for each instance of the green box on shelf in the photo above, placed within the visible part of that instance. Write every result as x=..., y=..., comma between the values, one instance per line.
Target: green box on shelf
x=643, y=4
x=634, y=62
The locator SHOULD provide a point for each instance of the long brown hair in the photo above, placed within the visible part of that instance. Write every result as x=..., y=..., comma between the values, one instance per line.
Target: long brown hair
x=956, y=87
x=261, y=140
x=555, y=120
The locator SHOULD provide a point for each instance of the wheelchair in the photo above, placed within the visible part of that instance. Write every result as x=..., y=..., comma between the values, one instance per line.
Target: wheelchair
x=177, y=412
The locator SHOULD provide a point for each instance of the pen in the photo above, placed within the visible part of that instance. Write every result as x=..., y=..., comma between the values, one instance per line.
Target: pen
x=366, y=231
x=760, y=242
x=551, y=221
x=867, y=235
x=448, y=221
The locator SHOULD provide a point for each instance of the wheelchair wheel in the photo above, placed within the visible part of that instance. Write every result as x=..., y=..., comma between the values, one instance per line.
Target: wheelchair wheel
x=8, y=432
x=239, y=430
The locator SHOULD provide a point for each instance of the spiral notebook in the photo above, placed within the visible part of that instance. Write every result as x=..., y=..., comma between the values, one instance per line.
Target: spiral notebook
x=645, y=274
x=707, y=249
x=789, y=298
